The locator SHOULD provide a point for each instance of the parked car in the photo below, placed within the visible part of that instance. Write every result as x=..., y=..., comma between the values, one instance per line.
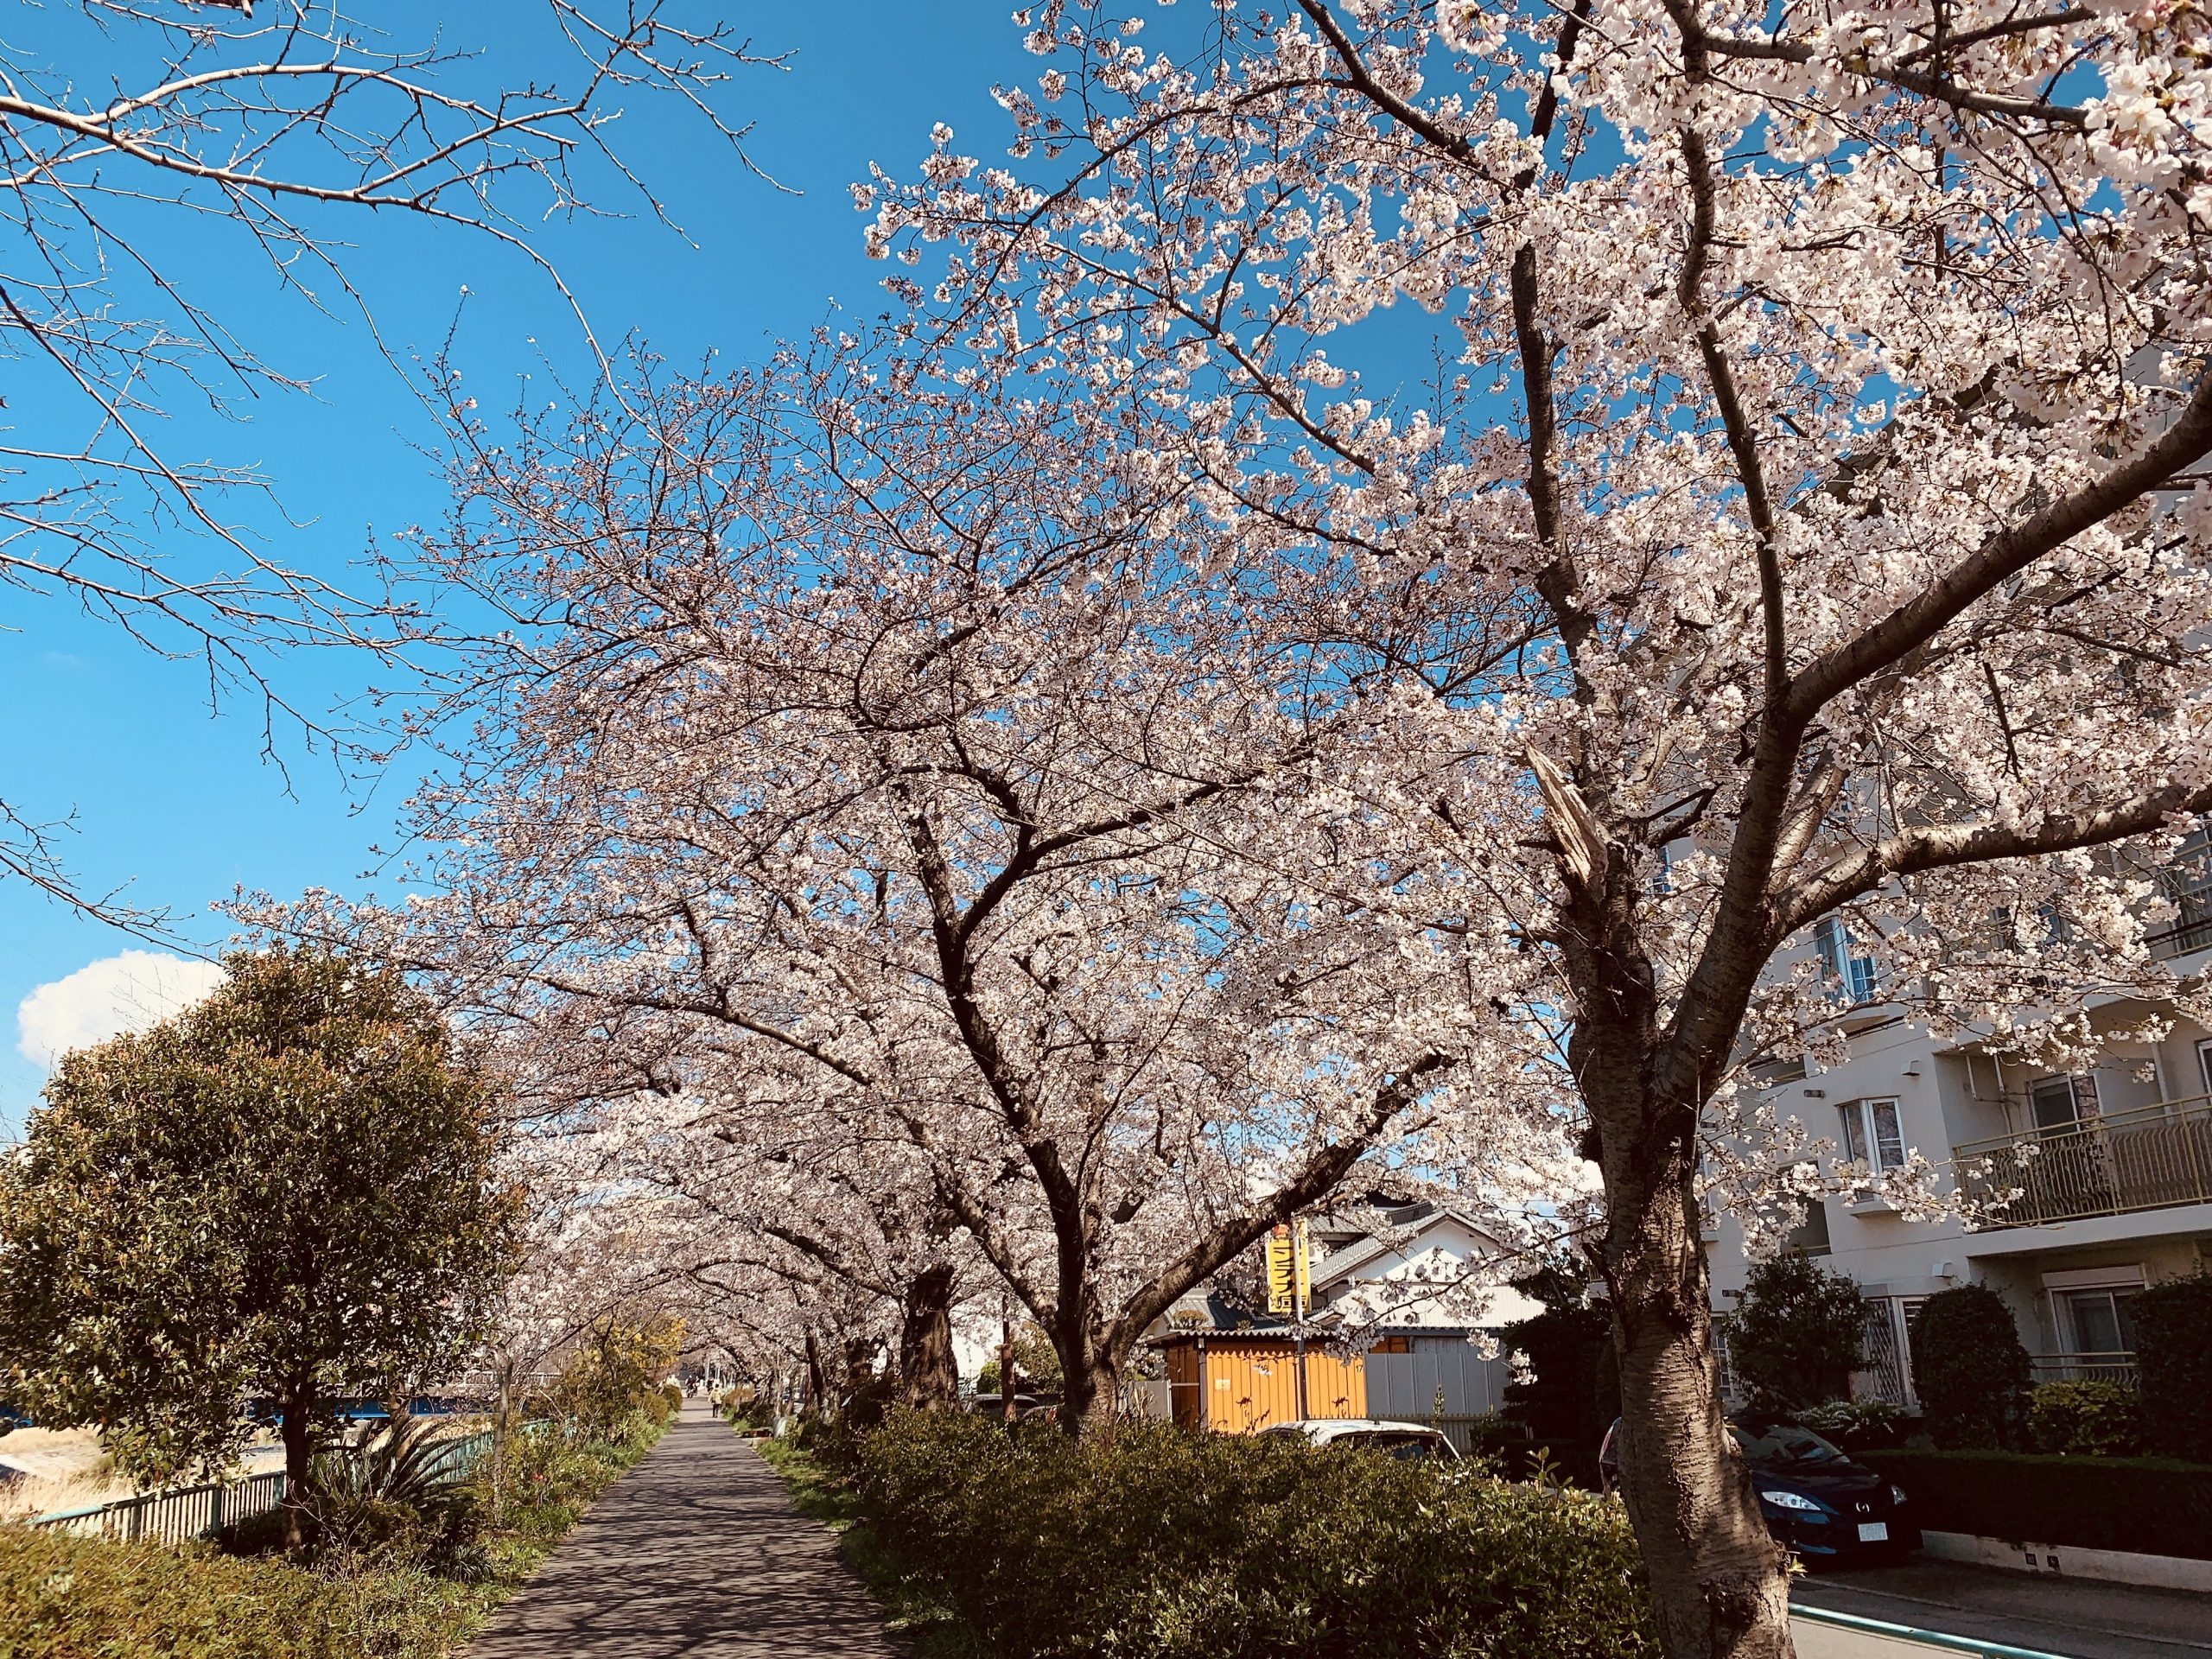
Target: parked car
x=11, y=1419
x=1814, y=1499
x=1410, y=1442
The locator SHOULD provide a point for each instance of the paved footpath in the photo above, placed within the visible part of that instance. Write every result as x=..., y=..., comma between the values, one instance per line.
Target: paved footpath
x=2080, y=1618
x=696, y=1553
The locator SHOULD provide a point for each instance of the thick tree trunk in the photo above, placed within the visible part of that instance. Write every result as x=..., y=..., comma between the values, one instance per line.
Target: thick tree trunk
x=860, y=1355
x=1091, y=1372
x=1720, y=1583
x=297, y=1434
x=817, y=1385
x=929, y=1379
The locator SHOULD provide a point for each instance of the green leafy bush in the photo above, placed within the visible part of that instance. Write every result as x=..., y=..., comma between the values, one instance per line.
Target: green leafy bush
x=746, y=1408
x=2095, y=1419
x=618, y=1372
x=387, y=1580
x=1559, y=1398
x=1794, y=1338
x=2173, y=1348
x=1159, y=1544
x=68, y=1598
x=1969, y=1369
x=1856, y=1425
x=2154, y=1506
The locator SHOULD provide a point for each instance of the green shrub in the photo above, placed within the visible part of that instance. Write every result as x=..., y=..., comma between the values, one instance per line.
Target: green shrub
x=389, y=1579
x=744, y=1408
x=2173, y=1347
x=1558, y=1397
x=68, y=1598
x=2154, y=1506
x=1968, y=1367
x=1795, y=1338
x=618, y=1372
x=1856, y=1425
x=2095, y=1419
x=1159, y=1544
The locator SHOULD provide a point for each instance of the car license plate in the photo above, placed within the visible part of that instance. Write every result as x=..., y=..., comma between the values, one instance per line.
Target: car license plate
x=1873, y=1532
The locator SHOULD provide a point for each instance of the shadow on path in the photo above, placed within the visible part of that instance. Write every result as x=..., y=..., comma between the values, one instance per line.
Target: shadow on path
x=696, y=1553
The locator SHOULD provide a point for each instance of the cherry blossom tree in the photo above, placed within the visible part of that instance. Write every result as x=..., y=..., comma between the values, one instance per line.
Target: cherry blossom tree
x=857, y=752
x=1826, y=389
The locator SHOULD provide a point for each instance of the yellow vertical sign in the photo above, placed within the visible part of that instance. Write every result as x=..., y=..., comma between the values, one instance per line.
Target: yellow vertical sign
x=1290, y=1270
x=1305, y=1269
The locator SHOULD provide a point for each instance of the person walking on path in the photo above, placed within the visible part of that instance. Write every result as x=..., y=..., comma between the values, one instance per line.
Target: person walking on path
x=697, y=1552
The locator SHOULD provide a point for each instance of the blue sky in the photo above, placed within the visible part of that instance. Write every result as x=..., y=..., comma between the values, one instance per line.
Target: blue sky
x=178, y=802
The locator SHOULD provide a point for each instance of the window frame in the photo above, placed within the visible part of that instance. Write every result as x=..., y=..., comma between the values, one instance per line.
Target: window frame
x=1861, y=1135
x=1856, y=975
x=2084, y=1098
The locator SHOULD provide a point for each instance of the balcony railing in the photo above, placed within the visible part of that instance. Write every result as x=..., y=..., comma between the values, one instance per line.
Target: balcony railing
x=2085, y=1367
x=2181, y=941
x=2149, y=1159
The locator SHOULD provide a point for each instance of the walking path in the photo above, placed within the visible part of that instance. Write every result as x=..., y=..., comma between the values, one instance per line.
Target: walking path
x=696, y=1553
x=2080, y=1617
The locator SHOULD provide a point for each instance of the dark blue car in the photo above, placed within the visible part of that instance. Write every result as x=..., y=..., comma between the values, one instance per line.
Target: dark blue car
x=1814, y=1499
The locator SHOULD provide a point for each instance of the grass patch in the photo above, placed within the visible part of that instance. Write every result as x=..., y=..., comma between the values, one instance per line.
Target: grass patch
x=912, y=1605
x=63, y=1597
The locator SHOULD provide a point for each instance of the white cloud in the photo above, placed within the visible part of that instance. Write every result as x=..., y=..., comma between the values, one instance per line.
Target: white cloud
x=126, y=992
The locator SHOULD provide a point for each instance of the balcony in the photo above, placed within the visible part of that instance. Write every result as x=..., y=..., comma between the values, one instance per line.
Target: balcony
x=2149, y=1159
x=2183, y=940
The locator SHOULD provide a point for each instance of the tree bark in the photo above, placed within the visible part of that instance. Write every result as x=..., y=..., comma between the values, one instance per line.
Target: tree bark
x=1088, y=1406
x=1720, y=1583
x=928, y=1377
x=817, y=1386
x=297, y=1432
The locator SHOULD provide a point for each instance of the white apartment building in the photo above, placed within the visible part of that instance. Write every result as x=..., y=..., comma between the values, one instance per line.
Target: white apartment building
x=2114, y=1166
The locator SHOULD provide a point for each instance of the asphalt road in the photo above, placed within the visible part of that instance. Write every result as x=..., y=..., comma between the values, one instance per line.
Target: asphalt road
x=2078, y=1618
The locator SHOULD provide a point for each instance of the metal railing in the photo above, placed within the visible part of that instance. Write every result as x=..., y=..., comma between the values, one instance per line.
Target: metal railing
x=175, y=1517
x=2085, y=1367
x=2149, y=1159
x=181, y=1514
x=2181, y=941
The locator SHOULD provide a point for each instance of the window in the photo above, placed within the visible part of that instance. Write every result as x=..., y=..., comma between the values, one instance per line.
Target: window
x=2096, y=1321
x=2204, y=1064
x=2188, y=882
x=1872, y=1135
x=2063, y=1105
x=1810, y=1236
x=1854, y=976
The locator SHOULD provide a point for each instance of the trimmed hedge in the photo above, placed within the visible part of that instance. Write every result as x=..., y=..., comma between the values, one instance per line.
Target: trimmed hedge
x=2173, y=1345
x=1969, y=1369
x=1163, y=1545
x=2151, y=1505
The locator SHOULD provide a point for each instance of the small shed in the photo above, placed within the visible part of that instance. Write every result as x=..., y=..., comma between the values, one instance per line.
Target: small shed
x=1239, y=1382
x=1434, y=1375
